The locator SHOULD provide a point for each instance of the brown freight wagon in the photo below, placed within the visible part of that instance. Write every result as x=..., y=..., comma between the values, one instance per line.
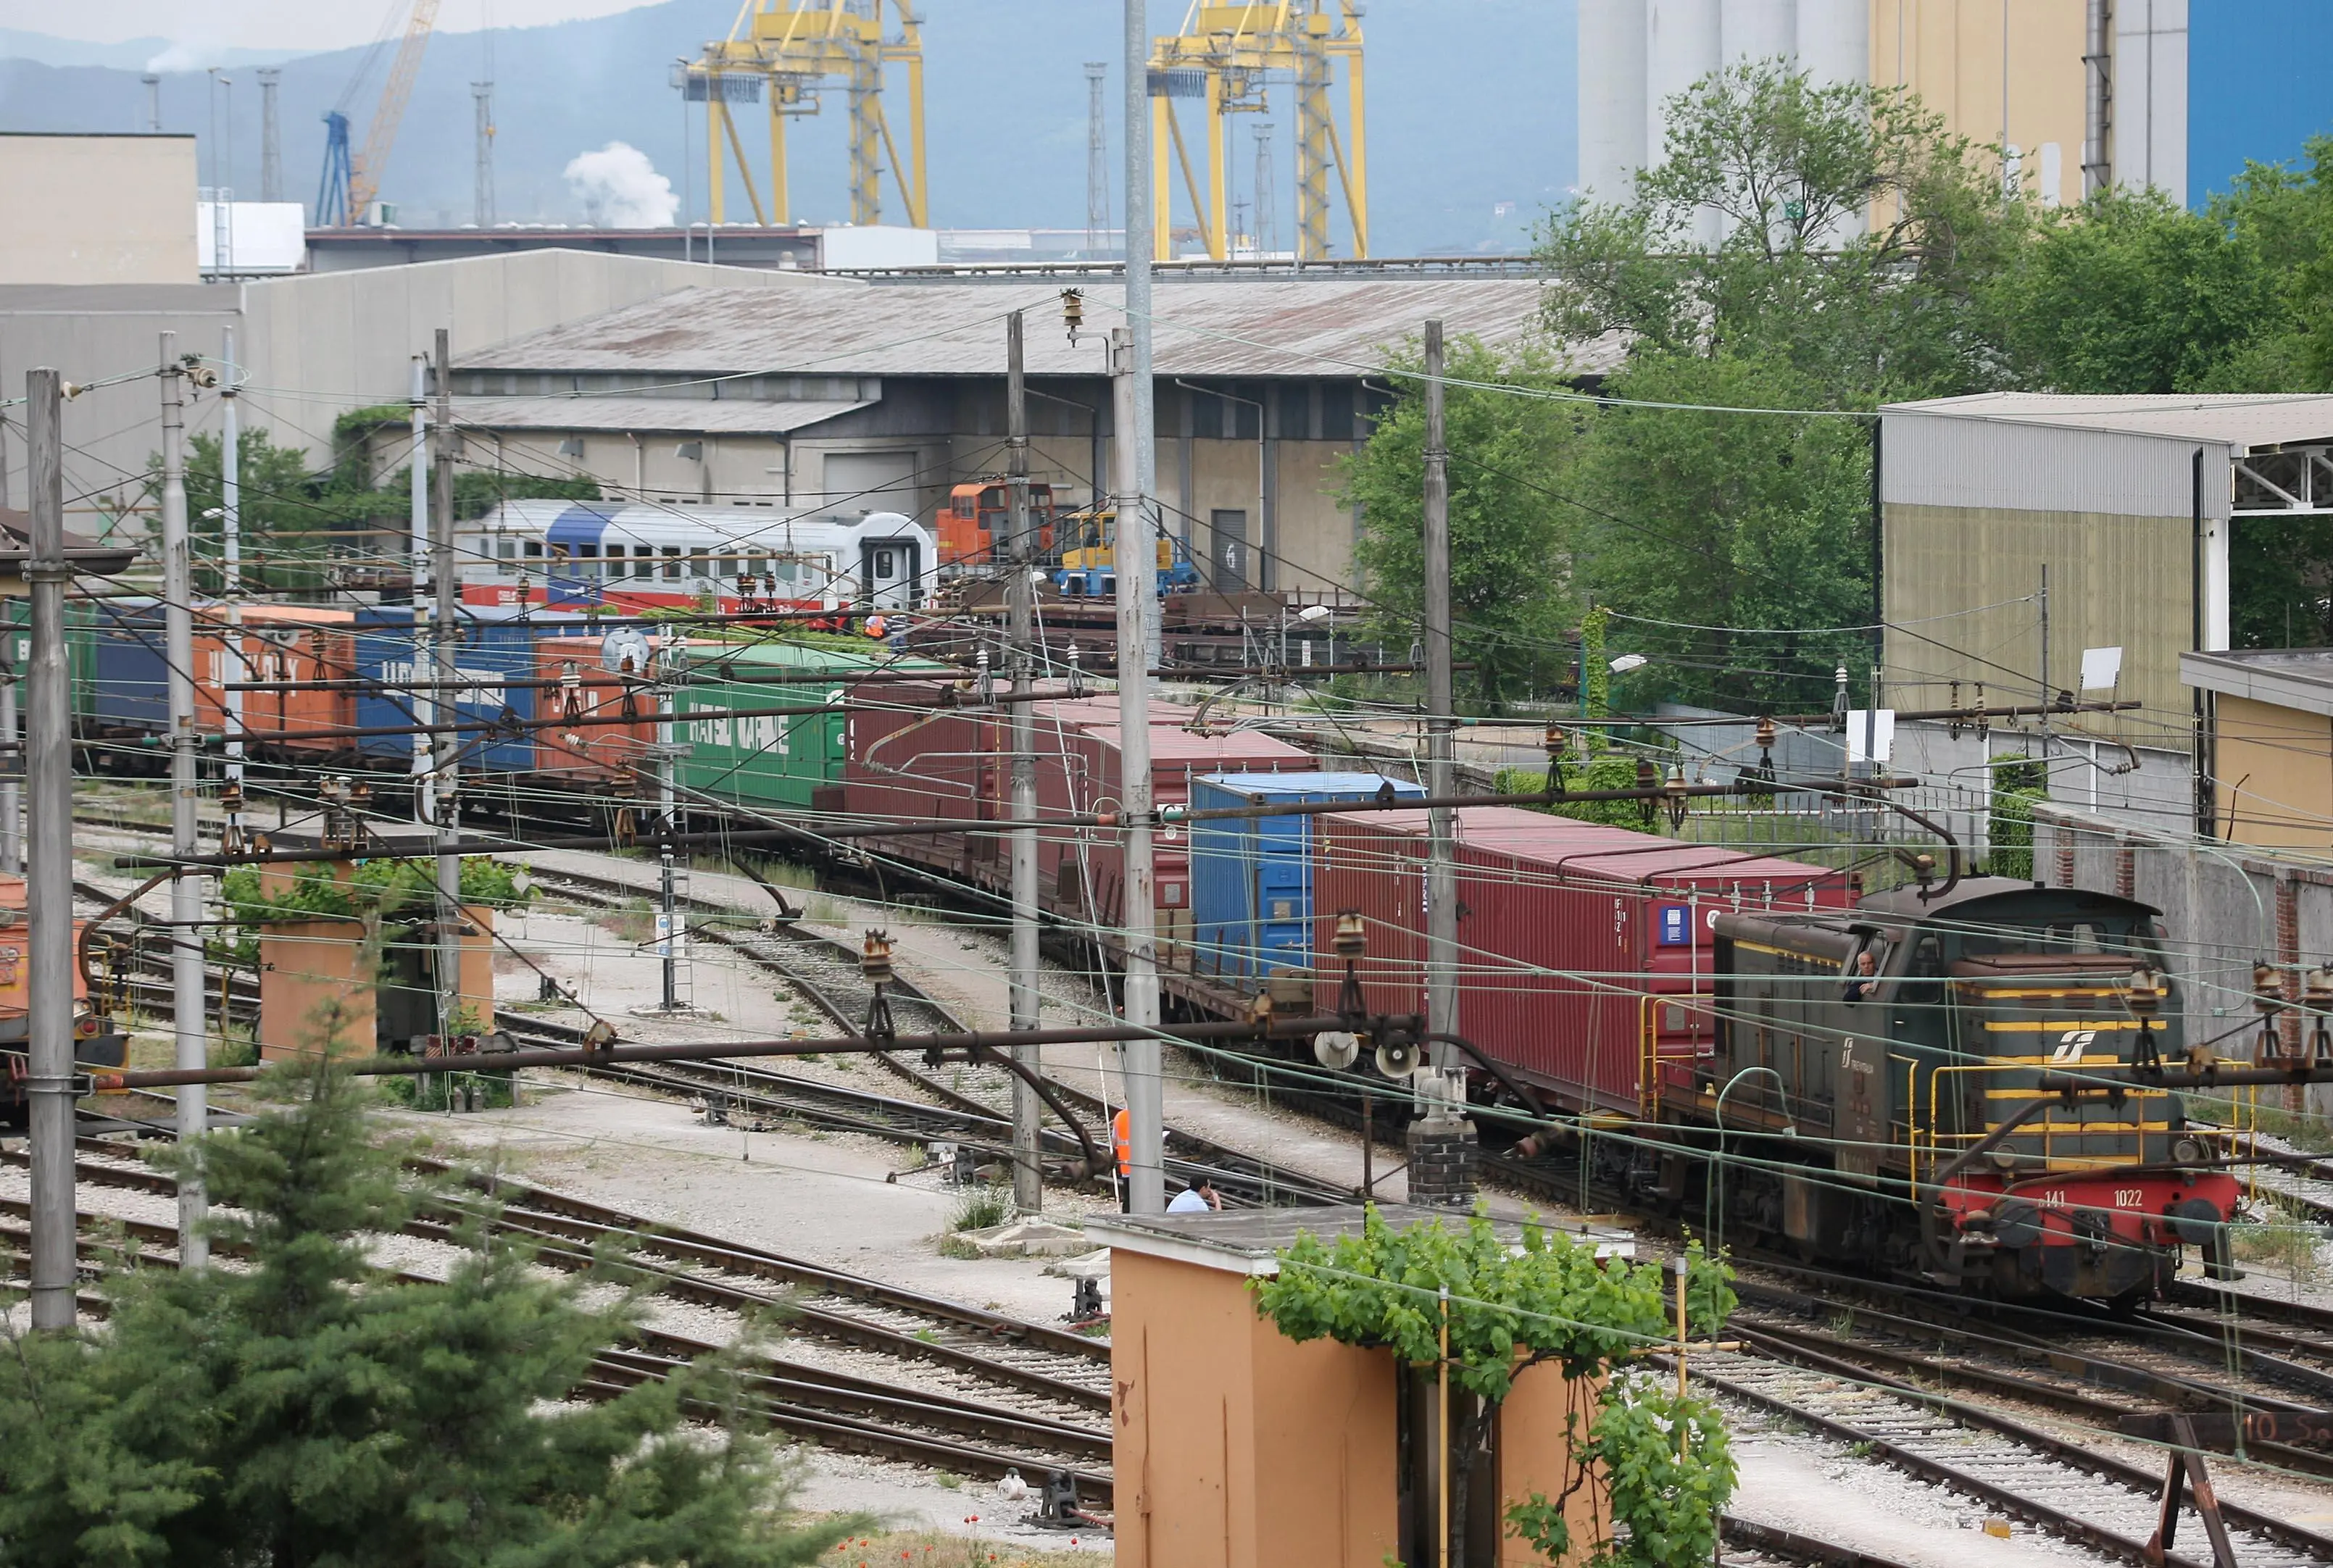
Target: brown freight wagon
x=1582, y=949
x=912, y=759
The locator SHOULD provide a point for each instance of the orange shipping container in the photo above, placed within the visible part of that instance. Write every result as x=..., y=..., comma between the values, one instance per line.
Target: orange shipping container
x=600, y=755
x=281, y=643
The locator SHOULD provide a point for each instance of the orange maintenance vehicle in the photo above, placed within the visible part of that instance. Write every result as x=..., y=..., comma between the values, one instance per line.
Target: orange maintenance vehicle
x=96, y=1042
x=980, y=511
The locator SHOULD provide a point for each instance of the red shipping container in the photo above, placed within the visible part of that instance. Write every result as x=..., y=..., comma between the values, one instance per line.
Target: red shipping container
x=282, y=643
x=911, y=759
x=1581, y=947
x=600, y=756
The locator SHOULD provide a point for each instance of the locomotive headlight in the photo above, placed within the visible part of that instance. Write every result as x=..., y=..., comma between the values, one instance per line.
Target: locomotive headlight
x=2189, y=1152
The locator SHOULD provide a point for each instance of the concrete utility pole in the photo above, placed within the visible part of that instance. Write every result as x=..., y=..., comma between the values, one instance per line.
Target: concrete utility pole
x=1136, y=573
x=1440, y=1170
x=153, y=103
x=271, y=138
x=482, y=199
x=12, y=797
x=424, y=708
x=1017, y=556
x=444, y=599
x=671, y=669
x=186, y=888
x=231, y=584
x=1097, y=158
x=48, y=894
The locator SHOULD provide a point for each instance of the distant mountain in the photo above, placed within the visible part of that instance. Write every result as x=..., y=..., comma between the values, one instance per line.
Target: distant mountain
x=135, y=54
x=1471, y=109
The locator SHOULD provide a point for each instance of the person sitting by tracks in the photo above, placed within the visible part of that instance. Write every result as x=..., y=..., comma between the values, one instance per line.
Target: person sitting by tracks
x=1198, y=1198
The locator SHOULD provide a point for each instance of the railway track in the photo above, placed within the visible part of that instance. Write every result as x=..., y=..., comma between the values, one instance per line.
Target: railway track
x=1998, y=1361
x=2065, y=1488
x=974, y=1392
x=1870, y=1389
x=825, y=972
x=972, y=1107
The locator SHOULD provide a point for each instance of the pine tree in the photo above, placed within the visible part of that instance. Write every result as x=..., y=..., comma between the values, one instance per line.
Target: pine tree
x=297, y=1406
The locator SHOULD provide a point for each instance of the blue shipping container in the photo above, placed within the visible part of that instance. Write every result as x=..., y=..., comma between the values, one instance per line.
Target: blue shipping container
x=1251, y=877
x=129, y=685
x=497, y=657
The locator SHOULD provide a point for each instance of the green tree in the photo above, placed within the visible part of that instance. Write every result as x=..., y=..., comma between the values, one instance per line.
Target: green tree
x=1510, y=558
x=1812, y=249
x=306, y=1407
x=2131, y=293
x=1549, y=1302
x=285, y=517
x=1701, y=519
x=1749, y=239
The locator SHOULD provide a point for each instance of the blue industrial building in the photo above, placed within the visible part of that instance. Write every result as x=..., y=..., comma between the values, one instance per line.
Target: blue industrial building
x=2199, y=87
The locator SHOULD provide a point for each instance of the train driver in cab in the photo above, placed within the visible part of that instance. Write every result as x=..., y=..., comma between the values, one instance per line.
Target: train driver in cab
x=1862, y=973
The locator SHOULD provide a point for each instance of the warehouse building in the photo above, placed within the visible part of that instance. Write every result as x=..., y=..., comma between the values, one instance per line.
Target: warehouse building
x=858, y=398
x=310, y=348
x=2126, y=506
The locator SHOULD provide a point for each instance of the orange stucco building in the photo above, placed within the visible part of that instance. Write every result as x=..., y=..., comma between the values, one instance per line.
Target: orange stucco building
x=1238, y=1447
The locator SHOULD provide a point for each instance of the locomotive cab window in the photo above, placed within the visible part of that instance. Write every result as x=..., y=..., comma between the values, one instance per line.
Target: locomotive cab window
x=1924, y=984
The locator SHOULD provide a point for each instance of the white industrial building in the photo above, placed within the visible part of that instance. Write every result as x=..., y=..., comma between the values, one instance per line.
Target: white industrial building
x=1635, y=56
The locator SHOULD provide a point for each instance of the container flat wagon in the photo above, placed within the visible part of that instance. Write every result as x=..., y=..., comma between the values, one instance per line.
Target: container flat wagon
x=1586, y=953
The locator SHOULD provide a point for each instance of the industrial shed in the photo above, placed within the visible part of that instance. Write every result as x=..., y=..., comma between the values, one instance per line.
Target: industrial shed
x=2129, y=502
x=856, y=395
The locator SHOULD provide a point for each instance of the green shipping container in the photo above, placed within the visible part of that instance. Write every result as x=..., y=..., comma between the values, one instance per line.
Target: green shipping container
x=81, y=642
x=775, y=760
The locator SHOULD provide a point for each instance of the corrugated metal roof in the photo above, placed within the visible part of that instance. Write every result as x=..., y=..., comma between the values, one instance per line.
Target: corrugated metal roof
x=2241, y=420
x=681, y=415
x=1279, y=328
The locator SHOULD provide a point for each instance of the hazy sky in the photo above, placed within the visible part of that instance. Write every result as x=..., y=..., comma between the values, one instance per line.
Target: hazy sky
x=304, y=24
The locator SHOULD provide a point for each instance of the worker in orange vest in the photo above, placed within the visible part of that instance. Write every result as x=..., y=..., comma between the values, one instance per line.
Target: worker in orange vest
x=1121, y=1127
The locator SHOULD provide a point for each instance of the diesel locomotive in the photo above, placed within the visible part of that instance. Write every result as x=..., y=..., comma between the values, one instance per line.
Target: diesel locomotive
x=1939, y=1085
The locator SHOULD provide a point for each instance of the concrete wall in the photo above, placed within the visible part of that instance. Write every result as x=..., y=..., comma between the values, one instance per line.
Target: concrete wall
x=1238, y=1447
x=311, y=348
x=347, y=339
x=97, y=209
x=2226, y=908
x=2273, y=773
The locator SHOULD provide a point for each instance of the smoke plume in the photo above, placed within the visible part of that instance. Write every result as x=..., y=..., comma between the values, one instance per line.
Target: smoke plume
x=620, y=189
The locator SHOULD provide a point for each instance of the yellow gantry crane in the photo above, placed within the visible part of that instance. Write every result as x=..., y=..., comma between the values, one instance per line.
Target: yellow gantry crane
x=1222, y=56
x=794, y=48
